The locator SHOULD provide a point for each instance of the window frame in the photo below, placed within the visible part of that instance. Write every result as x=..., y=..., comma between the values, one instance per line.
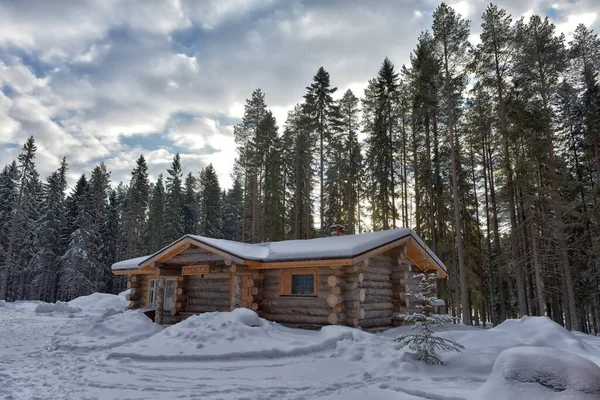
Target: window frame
x=285, y=281
x=151, y=301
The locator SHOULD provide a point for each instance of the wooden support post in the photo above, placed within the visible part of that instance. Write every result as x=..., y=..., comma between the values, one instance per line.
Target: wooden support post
x=236, y=292
x=160, y=301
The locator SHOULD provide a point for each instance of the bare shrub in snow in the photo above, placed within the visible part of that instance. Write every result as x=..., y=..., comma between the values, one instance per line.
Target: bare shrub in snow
x=424, y=343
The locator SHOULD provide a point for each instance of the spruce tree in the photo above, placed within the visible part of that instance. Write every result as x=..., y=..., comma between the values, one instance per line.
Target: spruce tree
x=191, y=205
x=157, y=238
x=48, y=246
x=174, y=213
x=210, y=195
x=136, y=207
x=17, y=224
x=321, y=112
x=231, y=211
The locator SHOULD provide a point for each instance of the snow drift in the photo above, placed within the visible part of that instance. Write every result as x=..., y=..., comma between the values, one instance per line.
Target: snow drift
x=112, y=328
x=234, y=335
x=58, y=307
x=98, y=303
x=542, y=373
x=484, y=346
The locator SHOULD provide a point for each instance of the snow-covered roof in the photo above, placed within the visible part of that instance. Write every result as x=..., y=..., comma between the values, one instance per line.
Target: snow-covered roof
x=333, y=247
x=132, y=263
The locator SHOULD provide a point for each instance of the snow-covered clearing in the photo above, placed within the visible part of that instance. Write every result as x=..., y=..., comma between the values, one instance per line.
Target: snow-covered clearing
x=90, y=349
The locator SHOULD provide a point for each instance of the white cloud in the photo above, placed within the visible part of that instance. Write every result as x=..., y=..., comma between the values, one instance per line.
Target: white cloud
x=88, y=77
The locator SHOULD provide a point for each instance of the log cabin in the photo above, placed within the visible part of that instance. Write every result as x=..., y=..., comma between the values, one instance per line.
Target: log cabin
x=354, y=280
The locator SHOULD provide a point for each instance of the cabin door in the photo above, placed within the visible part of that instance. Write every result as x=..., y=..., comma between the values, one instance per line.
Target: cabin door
x=240, y=299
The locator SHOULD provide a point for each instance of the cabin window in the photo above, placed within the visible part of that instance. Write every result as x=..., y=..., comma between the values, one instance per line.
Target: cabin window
x=151, y=292
x=169, y=291
x=303, y=284
x=299, y=282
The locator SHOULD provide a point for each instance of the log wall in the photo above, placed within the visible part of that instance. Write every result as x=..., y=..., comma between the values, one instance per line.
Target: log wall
x=297, y=310
x=379, y=291
x=208, y=292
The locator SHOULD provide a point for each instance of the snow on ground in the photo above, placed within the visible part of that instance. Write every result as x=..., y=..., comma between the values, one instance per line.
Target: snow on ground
x=99, y=351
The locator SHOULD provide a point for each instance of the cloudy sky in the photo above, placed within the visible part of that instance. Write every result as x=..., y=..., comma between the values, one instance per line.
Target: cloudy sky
x=110, y=80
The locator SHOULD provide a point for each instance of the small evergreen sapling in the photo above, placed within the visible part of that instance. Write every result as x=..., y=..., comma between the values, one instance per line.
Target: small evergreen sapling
x=424, y=343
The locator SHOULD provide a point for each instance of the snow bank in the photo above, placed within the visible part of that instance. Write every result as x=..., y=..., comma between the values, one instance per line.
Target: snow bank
x=97, y=303
x=542, y=373
x=112, y=328
x=484, y=346
x=239, y=334
x=58, y=307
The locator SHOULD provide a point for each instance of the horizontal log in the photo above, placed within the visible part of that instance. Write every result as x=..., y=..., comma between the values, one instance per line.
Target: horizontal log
x=350, y=285
x=135, y=279
x=380, y=292
x=213, y=289
x=297, y=310
x=337, y=308
x=370, y=284
x=376, y=322
x=377, y=306
x=254, y=306
x=355, y=313
x=351, y=304
x=334, y=318
x=336, y=271
x=179, y=291
x=356, y=295
x=354, y=277
x=132, y=297
x=254, y=291
x=299, y=302
x=197, y=308
x=249, y=283
x=336, y=290
x=352, y=321
x=208, y=302
x=250, y=299
x=369, y=298
x=297, y=319
x=175, y=298
x=332, y=280
x=210, y=276
x=371, y=314
x=376, y=276
x=208, y=295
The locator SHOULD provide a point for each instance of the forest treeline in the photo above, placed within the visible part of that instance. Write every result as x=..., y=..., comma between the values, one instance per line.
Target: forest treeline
x=489, y=151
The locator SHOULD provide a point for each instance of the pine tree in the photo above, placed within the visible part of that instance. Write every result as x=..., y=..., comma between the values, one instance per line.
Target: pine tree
x=451, y=34
x=540, y=61
x=210, y=195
